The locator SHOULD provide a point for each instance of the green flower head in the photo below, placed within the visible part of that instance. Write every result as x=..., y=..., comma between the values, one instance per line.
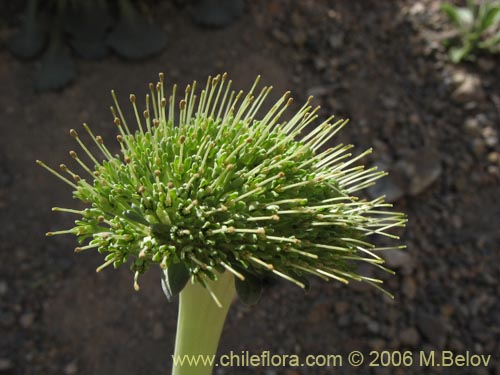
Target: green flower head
x=207, y=185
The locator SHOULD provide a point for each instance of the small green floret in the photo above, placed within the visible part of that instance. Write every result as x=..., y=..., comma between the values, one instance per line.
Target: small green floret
x=209, y=185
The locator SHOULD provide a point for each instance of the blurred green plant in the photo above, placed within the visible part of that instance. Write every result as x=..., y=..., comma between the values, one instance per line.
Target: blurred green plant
x=90, y=28
x=216, y=13
x=52, y=29
x=477, y=29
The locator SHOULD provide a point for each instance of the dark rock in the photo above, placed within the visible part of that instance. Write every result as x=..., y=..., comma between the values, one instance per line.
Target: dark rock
x=57, y=68
x=433, y=328
x=422, y=168
x=87, y=24
x=133, y=37
x=391, y=186
x=31, y=38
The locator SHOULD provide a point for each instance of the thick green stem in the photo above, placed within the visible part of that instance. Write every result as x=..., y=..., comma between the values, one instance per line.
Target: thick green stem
x=200, y=323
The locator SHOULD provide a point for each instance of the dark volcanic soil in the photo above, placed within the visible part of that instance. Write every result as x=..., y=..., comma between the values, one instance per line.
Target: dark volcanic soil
x=433, y=125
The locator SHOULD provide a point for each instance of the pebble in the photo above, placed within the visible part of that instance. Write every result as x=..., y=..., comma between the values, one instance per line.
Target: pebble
x=373, y=327
x=377, y=344
x=478, y=146
x=391, y=186
x=3, y=287
x=320, y=63
x=414, y=119
x=486, y=65
x=417, y=8
x=469, y=88
x=280, y=36
x=71, y=368
x=409, y=337
x=424, y=171
x=399, y=259
x=5, y=364
x=433, y=328
x=319, y=91
x=382, y=371
x=7, y=318
x=26, y=320
x=319, y=312
x=412, y=175
x=490, y=136
x=336, y=40
x=389, y=102
x=472, y=126
x=494, y=157
x=493, y=170
x=456, y=221
x=299, y=37
x=158, y=331
x=457, y=345
x=344, y=321
x=409, y=287
x=341, y=307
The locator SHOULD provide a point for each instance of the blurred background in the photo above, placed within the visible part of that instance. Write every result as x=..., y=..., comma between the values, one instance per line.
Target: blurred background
x=421, y=85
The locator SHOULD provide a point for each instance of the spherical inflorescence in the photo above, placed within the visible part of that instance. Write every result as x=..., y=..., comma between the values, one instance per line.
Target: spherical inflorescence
x=208, y=186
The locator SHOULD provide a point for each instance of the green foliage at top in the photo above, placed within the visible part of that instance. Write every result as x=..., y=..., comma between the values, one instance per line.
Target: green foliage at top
x=209, y=186
x=477, y=29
